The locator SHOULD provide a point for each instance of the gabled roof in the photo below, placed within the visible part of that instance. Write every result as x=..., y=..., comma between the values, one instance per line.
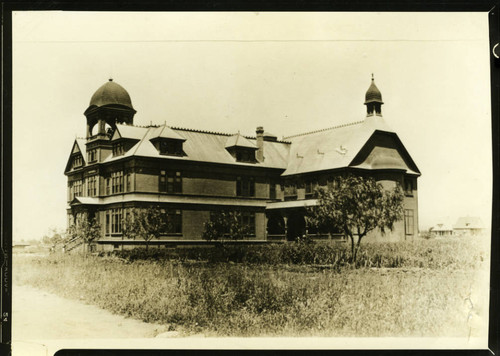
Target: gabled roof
x=165, y=132
x=84, y=201
x=203, y=146
x=129, y=131
x=78, y=146
x=239, y=141
x=469, y=222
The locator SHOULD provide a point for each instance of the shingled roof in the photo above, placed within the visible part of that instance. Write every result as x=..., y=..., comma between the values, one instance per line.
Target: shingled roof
x=201, y=146
x=337, y=147
x=469, y=222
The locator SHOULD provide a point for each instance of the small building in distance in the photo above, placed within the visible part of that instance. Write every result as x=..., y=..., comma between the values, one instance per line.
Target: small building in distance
x=190, y=173
x=468, y=226
x=20, y=246
x=441, y=230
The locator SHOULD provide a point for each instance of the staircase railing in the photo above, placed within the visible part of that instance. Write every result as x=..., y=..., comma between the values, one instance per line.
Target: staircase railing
x=73, y=243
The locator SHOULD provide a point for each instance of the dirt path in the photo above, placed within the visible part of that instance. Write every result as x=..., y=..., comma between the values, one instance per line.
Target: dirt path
x=40, y=315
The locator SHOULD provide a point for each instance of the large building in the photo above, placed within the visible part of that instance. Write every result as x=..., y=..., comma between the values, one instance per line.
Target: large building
x=191, y=173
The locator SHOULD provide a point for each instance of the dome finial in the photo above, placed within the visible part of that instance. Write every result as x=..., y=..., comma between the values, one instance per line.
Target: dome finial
x=373, y=99
x=111, y=79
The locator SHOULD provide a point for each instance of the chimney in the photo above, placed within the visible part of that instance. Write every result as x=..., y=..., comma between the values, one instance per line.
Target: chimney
x=260, y=144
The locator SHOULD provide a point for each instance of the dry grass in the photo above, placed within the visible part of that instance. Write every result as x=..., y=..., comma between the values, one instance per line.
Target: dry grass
x=424, y=296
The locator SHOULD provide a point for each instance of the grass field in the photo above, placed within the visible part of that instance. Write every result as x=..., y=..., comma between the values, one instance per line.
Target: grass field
x=417, y=288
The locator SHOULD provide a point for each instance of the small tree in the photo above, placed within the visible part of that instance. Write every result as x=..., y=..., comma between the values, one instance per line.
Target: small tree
x=54, y=239
x=88, y=230
x=146, y=223
x=225, y=223
x=357, y=206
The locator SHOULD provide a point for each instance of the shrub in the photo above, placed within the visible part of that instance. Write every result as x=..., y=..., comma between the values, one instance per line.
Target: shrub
x=420, y=253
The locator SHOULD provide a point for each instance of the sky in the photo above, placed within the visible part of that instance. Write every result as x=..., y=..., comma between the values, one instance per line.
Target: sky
x=230, y=72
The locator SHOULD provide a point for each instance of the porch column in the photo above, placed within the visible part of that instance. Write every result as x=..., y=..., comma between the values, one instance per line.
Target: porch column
x=285, y=218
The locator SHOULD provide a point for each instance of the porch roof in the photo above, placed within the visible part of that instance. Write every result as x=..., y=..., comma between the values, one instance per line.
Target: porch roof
x=292, y=204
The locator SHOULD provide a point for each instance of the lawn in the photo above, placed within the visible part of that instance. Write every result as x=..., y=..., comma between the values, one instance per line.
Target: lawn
x=416, y=288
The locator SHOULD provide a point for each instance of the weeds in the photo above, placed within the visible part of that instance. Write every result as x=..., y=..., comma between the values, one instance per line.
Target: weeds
x=275, y=290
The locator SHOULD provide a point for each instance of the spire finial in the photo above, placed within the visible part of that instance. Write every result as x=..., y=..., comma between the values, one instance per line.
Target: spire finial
x=372, y=77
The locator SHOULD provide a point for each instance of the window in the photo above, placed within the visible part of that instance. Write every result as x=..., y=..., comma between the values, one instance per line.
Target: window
x=247, y=220
x=129, y=186
x=108, y=186
x=118, y=149
x=92, y=186
x=408, y=186
x=170, y=182
x=245, y=186
x=290, y=191
x=77, y=161
x=409, y=227
x=107, y=223
x=272, y=190
x=76, y=189
x=310, y=186
x=117, y=182
x=114, y=221
x=92, y=154
x=245, y=155
x=174, y=221
x=171, y=147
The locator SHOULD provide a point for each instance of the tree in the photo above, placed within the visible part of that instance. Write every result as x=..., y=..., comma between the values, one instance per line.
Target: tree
x=225, y=223
x=88, y=230
x=356, y=206
x=146, y=223
x=54, y=238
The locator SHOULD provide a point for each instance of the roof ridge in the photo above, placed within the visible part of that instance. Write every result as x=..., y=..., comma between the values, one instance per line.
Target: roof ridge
x=326, y=129
x=138, y=144
x=202, y=131
x=220, y=133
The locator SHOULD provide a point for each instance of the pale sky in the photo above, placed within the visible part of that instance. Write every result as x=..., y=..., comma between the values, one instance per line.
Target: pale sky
x=288, y=72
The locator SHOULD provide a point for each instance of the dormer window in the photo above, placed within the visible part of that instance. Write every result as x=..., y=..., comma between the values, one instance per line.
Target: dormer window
x=167, y=141
x=241, y=148
x=170, y=147
x=244, y=155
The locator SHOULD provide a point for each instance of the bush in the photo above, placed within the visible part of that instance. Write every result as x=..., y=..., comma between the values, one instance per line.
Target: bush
x=456, y=253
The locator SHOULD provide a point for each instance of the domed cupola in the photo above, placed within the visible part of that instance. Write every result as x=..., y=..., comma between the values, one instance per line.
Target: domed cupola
x=373, y=100
x=110, y=104
x=111, y=93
